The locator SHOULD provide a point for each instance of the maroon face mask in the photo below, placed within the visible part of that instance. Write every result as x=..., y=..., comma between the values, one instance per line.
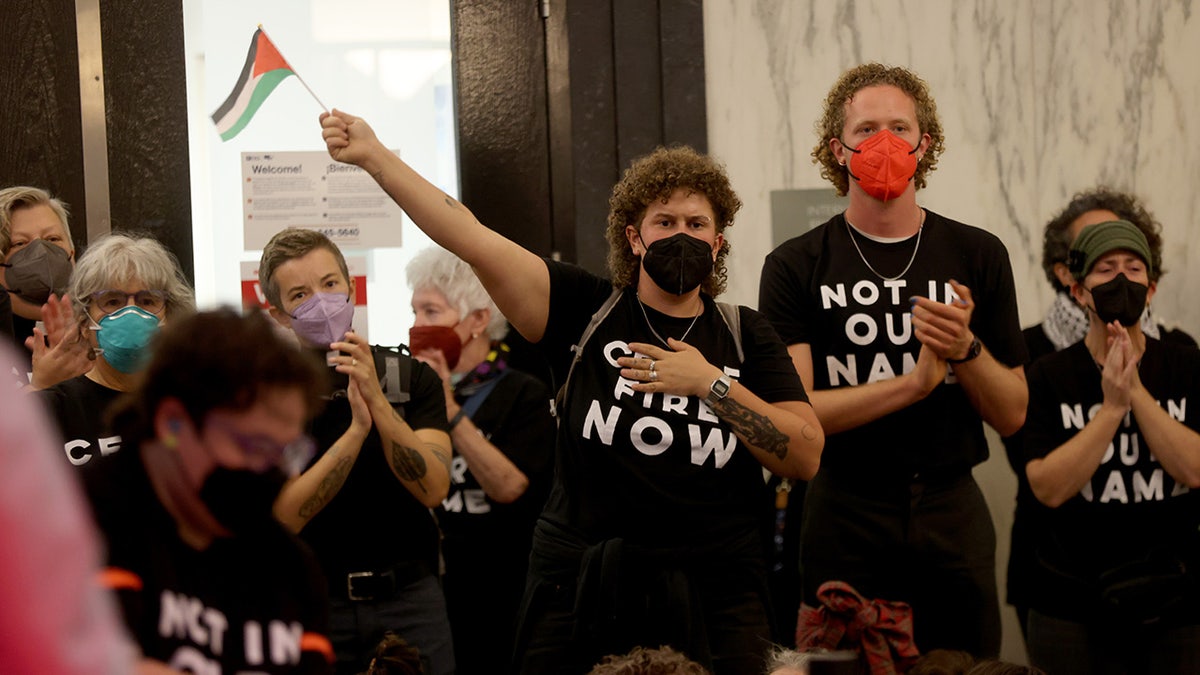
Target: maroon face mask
x=422, y=338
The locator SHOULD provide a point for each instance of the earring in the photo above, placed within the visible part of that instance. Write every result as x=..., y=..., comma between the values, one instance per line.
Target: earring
x=474, y=335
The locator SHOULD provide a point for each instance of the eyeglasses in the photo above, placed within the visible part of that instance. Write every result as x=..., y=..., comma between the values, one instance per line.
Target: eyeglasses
x=264, y=452
x=113, y=300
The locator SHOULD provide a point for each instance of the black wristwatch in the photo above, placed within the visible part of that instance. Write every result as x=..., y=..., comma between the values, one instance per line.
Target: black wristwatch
x=972, y=351
x=718, y=390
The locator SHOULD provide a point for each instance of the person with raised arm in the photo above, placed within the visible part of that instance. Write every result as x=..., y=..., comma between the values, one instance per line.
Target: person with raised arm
x=674, y=405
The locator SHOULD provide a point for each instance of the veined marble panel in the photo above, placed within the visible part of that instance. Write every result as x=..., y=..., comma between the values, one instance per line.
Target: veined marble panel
x=1039, y=99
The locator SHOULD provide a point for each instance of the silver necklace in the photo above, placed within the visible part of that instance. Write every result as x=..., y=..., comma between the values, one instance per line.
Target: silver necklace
x=920, y=229
x=651, y=326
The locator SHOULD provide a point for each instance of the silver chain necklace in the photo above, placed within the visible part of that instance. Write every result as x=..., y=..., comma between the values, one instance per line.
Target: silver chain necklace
x=651, y=326
x=920, y=229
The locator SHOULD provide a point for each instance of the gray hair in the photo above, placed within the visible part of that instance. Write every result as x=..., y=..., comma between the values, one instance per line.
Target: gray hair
x=781, y=657
x=438, y=269
x=116, y=259
x=24, y=196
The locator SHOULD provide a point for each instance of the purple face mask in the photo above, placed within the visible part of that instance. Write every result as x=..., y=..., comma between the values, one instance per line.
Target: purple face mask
x=323, y=318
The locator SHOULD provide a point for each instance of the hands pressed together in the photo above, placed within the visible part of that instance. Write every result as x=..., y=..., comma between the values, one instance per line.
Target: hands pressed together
x=356, y=361
x=1119, y=373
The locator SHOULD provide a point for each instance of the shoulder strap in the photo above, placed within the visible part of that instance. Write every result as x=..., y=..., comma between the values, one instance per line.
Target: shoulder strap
x=475, y=401
x=394, y=368
x=600, y=315
x=733, y=319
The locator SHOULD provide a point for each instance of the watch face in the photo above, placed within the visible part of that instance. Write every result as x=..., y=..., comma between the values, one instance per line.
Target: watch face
x=720, y=387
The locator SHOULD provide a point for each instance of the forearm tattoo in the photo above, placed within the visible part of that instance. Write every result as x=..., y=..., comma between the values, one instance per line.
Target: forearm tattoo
x=442, y=455
x=755, y=429
x=450, y=201
x=330, y=484
x=408, y=464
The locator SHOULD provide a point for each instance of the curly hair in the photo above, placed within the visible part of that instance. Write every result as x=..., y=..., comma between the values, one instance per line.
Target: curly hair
x=655, y=177
x=1056, y=240
x=643, y=661
x=833, y=120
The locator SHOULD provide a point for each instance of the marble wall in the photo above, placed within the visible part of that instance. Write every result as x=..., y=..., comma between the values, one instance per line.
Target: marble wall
x=1038, y=99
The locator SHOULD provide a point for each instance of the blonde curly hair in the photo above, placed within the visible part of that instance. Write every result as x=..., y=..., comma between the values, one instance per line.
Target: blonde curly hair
x=833, y=120
x=655, y=177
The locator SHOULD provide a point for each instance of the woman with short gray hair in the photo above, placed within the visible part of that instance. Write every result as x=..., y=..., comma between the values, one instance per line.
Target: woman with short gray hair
x=122, y=291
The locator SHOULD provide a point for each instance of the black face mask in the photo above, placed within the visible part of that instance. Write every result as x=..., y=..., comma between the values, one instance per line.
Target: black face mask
x=1120, y=300
x=241, y=499
x=37, y=270
x=678, y=264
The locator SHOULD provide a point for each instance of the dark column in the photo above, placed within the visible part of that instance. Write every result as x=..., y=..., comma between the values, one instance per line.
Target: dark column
x=40, y=135
x=146, y=97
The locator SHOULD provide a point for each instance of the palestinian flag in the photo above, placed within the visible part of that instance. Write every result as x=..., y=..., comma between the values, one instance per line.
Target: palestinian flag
x=265, y=68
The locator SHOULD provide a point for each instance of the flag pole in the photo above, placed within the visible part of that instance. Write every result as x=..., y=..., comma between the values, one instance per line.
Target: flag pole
x=295, y=72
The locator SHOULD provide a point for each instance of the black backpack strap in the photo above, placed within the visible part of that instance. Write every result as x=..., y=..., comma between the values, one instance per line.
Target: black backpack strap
x=600, y=315
x=393, y=365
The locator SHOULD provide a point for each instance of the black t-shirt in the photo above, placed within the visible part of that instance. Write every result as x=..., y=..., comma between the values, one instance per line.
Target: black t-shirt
x=374, y=522
x=78, y=406
x=244, y=604
x=659, y=470
x=516, y=418
x=1131, y=505
x=816, y=289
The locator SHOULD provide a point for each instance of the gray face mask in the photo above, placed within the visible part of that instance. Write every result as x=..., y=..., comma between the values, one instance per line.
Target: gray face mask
x=37, y=270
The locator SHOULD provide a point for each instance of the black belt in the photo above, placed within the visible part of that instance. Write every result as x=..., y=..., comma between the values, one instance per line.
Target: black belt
x=382, y=585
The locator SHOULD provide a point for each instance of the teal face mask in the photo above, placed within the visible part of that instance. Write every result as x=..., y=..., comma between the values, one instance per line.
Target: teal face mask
x=124, y=337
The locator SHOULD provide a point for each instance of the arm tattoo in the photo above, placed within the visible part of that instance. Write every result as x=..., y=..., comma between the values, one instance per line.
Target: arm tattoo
x=451, y=202
x=442, y=455
x=755, y=429
x=378, y=176
x=408, y=464
x=330, y=484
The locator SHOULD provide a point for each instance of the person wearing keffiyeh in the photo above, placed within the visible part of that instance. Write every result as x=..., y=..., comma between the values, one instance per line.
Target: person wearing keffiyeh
x=1066, y=323
x=503, y=437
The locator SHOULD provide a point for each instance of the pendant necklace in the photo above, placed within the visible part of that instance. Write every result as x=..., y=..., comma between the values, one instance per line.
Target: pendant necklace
x=651, y=326
x=920, y=229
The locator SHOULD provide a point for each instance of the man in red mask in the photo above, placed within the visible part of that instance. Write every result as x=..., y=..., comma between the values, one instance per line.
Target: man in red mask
x=878, y=307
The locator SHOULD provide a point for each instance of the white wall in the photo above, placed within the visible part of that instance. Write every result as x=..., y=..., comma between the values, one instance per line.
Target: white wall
x=1038, y=101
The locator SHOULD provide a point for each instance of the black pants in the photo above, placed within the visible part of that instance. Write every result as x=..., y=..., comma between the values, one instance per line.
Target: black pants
x=713, y=612
x=930, y=544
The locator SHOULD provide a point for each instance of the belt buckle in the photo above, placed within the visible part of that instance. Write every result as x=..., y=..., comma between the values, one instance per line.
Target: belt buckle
x=350, y=585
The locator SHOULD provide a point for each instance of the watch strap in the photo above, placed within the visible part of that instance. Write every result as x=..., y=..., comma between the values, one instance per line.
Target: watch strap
x=973, y=351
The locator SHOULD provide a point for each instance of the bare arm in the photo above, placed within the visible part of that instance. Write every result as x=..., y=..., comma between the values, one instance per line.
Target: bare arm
x=850, y=407
x=305, y=495
x=784, y=437
x=515, y=278
x=420, y=458
x=1062, y=473
x=500, y=479
x=1176, y=446
x=998, y=393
